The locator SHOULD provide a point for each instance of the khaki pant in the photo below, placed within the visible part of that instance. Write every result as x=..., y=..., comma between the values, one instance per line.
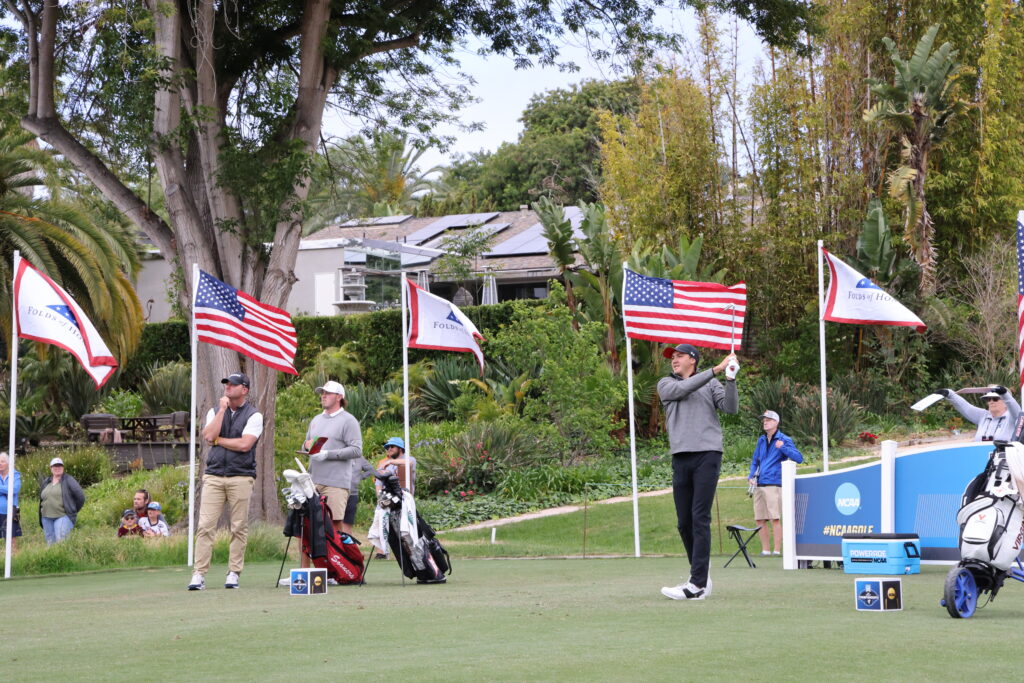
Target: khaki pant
x=337, y=500
x=218, y=491
x=767, y=502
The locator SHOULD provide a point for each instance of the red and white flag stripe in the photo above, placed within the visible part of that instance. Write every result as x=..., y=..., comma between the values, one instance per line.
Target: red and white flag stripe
x=233, y=319
x=705, y=314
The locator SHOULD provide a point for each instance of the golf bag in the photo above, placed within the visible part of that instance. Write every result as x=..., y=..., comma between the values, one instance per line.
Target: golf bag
x=310, y=518
x=991, y=519
x=424, y=558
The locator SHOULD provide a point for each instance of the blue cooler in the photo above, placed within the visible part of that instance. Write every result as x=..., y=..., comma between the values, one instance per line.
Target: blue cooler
x=881, y=554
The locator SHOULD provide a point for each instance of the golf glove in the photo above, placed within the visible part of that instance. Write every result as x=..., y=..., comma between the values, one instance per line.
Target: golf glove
x=322, y=455
x=732, y=369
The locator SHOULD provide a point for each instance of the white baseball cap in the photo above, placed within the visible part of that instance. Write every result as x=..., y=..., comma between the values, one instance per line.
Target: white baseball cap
x=331, y=387
x=770, y=414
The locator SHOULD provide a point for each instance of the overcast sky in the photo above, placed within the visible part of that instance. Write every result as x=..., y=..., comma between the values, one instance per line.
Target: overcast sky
x=504, y=91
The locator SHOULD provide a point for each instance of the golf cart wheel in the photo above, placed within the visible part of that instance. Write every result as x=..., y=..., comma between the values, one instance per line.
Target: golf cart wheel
x=961, y=593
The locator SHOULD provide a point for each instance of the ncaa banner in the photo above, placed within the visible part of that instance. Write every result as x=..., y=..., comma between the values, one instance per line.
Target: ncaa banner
x=831, y=504
x=45, y=313
x=928, y=487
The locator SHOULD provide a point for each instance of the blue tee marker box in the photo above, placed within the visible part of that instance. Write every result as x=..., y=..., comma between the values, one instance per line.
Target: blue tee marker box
x=310, y=581
x=878, y=595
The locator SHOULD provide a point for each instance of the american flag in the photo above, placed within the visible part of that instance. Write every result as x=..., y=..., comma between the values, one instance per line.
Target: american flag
x=677, y=311
x=228, y=317
x=1020, y=295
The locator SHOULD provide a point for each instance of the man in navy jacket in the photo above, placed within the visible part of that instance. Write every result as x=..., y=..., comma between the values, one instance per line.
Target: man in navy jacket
x=766, y=475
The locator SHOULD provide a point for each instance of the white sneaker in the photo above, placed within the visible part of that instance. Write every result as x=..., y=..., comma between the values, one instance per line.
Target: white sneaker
x=197, y=583
x=284, y=582
x=231, y=580
x=765, y=553
x=776, y=553
x=684, y=591
x=332, y=582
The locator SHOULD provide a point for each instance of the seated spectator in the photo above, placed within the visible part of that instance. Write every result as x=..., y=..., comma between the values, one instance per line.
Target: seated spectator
x=395, y=462
x=152, y=525
x=129, y=524
x=141, y=502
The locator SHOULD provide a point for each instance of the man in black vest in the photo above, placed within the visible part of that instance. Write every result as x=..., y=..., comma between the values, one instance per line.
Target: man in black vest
x=232, y=431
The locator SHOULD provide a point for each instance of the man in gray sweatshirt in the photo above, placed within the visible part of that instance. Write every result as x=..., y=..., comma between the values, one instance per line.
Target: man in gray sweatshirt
x=691, y=401
x=331, y=465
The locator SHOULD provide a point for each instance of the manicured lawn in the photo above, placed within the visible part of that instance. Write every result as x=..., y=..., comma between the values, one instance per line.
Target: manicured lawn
x=607, y=530
x=498, y=619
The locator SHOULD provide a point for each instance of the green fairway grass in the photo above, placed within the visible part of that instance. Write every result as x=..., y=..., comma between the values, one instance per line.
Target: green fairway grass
x=607, y=529
x=499, y=620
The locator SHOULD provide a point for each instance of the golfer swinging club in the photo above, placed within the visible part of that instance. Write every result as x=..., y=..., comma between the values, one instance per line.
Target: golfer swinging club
x=691, y=401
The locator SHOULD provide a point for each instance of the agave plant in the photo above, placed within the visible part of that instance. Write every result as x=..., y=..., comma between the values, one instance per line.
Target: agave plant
x=168, y=388
x=364, y=402
x=444, y=384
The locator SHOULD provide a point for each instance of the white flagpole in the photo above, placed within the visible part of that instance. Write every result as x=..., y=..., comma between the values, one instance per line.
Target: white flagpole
x=821, y=355
x=732, y=329
x=632, y=430
x=192, y=423
x=405, y=376
x=12, y=423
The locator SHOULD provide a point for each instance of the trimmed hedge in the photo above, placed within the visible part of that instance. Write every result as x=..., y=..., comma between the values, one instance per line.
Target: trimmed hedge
x=376, y=337
x=161, y=343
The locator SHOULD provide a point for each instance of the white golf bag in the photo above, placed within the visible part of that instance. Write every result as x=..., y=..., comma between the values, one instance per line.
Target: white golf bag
x=991, y=519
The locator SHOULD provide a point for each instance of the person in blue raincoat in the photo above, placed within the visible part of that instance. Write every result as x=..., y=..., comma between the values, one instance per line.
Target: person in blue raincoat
x=766, y=479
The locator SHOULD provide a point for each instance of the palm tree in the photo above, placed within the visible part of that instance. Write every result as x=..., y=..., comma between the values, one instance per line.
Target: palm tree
x=557, y=230
x=368, y=177
x=918, y=105
x=92, y=259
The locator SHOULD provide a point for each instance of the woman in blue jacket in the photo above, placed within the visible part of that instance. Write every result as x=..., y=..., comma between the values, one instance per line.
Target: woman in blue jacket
x=766, y=476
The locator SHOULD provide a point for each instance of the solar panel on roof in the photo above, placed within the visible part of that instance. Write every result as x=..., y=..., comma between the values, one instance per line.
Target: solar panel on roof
x=489, y=229
x=390, y=220
x=531, y=241
x=445, y=222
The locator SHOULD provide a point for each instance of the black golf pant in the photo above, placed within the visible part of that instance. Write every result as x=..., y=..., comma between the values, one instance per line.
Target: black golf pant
x=694, y=481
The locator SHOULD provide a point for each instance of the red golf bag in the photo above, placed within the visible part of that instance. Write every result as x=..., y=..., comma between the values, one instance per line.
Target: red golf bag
x=326, y=547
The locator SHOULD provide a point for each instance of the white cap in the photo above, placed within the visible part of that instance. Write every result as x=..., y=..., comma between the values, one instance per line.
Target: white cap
x=331, y=387
x=771, y=415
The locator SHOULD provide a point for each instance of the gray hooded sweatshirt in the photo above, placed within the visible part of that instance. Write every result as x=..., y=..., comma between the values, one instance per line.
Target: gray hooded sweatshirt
x=691, y=410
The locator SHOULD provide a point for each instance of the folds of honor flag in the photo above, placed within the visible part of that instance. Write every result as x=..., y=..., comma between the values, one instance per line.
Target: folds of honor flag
x=853, y=298
x=435, y=323
x=229, y=317
x=704, y=314
x=45, y=313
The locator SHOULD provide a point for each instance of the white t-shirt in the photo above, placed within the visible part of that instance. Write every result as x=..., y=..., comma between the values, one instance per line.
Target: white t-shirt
x=160, y=527
x=253, y=426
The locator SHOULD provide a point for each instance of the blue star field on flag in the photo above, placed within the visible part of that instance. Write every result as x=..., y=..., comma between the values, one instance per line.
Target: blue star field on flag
x=67, y=313
x=213, y=293
x=643, y=290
